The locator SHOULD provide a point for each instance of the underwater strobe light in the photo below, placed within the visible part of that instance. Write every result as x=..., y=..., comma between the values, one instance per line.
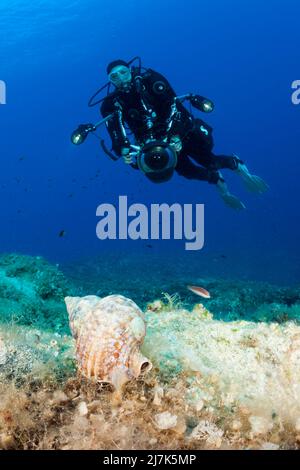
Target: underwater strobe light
x=81, y=133
x=203, y=104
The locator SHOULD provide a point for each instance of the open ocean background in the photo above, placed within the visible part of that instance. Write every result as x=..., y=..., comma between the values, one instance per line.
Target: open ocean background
x=242, y=55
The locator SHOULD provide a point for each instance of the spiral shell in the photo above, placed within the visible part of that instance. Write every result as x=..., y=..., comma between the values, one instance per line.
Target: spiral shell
x=108, y=334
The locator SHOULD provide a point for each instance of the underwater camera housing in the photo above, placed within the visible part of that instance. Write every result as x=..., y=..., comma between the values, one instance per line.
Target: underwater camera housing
x=157, y=161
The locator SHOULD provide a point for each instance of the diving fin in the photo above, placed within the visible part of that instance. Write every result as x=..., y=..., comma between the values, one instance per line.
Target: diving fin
x=253, y=183
x=229, y=199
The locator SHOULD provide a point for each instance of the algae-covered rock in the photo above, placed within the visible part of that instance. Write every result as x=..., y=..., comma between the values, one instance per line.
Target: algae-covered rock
x=32, y=292
x=233, y=297
x=207, y=432
x=240, y=363
x=165, y=420
x=31, y=354
x=214, y=383
x=255, y=301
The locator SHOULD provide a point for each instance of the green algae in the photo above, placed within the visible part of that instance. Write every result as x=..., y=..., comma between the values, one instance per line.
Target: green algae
x=32, y=293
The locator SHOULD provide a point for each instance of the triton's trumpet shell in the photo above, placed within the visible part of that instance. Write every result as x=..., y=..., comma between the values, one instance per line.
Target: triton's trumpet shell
x=108, y=334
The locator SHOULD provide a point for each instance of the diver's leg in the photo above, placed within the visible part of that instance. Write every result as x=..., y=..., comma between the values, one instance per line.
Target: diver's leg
x=199, y=147
x=205, y=157
x=253, y=183
x=228, y=198
x=185, y=167
x=217, y=162
x=223, y=161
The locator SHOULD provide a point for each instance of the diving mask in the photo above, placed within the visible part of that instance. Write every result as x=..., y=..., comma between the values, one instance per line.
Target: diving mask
x=120, y=76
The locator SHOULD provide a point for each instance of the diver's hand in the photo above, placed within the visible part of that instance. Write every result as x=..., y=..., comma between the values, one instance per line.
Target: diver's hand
x=229, y=199
x=175, y=141
x=126, y=155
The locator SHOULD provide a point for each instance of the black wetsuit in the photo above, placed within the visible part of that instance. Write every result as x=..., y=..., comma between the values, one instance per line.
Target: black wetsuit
x=155, y=92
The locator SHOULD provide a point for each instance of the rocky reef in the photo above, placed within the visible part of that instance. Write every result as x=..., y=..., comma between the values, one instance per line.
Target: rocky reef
x=32, y=292
x=233, y=297
x=214, y=384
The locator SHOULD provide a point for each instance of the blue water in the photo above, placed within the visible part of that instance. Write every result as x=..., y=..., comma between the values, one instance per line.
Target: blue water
x=243, y=55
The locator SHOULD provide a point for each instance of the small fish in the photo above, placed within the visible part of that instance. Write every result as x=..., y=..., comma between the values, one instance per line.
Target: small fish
x=199, y=291
x=62, y=233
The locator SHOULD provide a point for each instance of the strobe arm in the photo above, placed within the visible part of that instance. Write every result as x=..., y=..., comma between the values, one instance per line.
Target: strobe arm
x=199, y=102
x=83, y=130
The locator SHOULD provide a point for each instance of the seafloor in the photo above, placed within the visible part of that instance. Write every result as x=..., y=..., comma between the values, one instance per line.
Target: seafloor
x=226, y=370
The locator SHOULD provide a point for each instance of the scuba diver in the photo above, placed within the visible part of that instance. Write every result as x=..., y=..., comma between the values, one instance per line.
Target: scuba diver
x=167, y=136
